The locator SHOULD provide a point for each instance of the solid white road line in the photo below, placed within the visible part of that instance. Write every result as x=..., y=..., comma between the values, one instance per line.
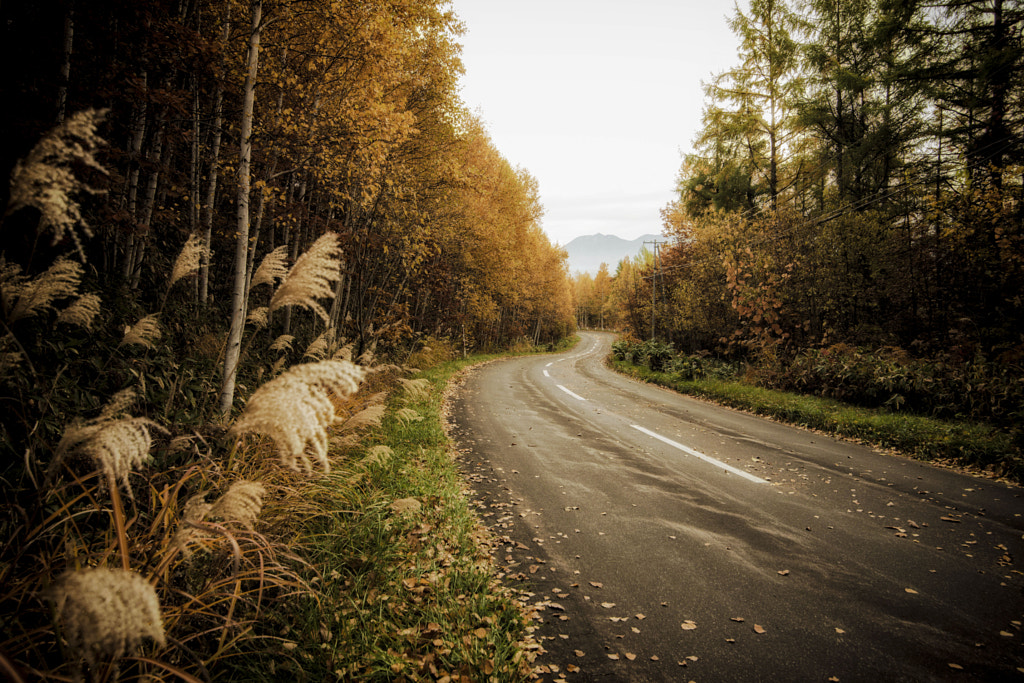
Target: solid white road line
x=698, y=454
x=576, y=396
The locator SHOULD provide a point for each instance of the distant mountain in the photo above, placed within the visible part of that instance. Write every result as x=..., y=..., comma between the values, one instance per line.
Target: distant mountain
x=588, y=252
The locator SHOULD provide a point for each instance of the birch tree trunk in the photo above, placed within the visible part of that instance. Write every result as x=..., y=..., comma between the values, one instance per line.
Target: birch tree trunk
x=234, y=345
x=211, y=188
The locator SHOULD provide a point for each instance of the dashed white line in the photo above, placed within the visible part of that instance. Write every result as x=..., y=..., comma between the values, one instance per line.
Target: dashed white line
x=698, y=454
x=576, y=396
x=546, y=374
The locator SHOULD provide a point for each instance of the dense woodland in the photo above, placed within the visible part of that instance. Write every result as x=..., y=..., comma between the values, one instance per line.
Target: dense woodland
x=256, y=125
x=858, y=186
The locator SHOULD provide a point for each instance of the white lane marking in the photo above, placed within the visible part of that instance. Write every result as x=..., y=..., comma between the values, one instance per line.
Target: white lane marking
x=698, y=454
x=576, y=396
x=550, y=364
x=546, y=374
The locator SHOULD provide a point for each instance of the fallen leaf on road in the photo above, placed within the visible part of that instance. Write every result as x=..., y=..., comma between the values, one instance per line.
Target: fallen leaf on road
x=1006, y=634
x=737, y=619
x=578, y=653
x=693, y=658
x=954, y=520
x=758, y=629
x=840, y=631
x=613, y=656
x=955, y=666
x=911, y=591
x=597, y=584
x=641, y=617
x=630, y=656
x=607, y=605
x=634, y=629
x=730, y=640
x=833, y=679
x=784, y=572
x=572, y=668
x=654, y=658
x=689, y=625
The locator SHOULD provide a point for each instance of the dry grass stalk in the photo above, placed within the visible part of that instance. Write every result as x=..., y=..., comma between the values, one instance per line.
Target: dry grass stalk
x=311, y=277
x=271, y=268
x=82, y=312
x=295, y=410
x=106, y=613
x=146, y=332
x=28, y=297
x=188, y=260
x=44, y=179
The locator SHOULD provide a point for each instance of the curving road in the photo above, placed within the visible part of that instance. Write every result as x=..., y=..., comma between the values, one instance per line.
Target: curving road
x=668, y=539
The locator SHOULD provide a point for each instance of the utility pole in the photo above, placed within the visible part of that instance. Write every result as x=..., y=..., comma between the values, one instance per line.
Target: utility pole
x=654, y=282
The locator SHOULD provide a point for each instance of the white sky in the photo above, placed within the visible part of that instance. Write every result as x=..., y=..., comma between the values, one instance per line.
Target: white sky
x=597, y=99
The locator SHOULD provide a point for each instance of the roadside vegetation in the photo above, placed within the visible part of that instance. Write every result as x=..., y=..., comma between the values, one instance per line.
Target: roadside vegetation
x=847, y=393
x=217, y=461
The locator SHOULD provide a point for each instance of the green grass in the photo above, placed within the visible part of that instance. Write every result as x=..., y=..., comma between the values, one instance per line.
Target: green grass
x=409, y=595
x=970, y=444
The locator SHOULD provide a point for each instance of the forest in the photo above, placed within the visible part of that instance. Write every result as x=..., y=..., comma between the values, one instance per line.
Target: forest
x=227, y=218
x=851, y=222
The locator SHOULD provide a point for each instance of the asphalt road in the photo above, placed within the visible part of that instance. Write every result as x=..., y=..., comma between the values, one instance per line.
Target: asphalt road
x=668, y=539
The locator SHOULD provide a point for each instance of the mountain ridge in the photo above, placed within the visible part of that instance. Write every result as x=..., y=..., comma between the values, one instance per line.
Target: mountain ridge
x=588, y=252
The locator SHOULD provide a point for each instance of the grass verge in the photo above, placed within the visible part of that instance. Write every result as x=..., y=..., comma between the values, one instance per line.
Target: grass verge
x=970, y=444
x=405, y=587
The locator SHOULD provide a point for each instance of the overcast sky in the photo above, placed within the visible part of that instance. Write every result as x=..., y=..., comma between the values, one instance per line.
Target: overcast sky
x=597, y=99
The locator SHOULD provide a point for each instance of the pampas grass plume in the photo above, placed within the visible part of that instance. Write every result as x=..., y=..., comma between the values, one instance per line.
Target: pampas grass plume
x=117, y=445
x=188, y=260
x=82, y=312
x=144, y=333
x=283, y=343
x=406, y=415
x=271, y=268
x=44, y=180
x=26, y=298
x=295, y=410
x=415, y=389
x=106, y=612
x=311, y=277
x=242, y=502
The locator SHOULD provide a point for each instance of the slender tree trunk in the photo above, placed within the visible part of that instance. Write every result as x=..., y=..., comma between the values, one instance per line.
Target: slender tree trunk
x=65, y=66
x=234, y=344
x=211, y=187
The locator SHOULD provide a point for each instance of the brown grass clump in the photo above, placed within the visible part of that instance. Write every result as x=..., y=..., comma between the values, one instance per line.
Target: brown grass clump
x=106, y=613
x=295, y=410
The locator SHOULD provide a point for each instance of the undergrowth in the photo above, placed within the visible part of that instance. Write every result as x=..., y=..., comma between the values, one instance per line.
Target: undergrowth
x=973, y=444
